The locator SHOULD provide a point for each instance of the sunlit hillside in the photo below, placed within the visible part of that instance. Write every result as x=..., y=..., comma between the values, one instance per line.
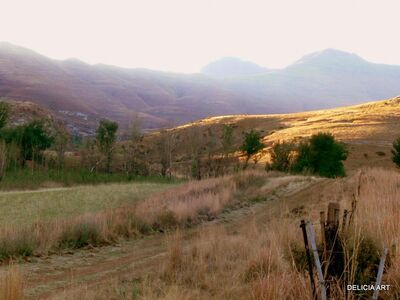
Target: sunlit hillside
x=368, y=129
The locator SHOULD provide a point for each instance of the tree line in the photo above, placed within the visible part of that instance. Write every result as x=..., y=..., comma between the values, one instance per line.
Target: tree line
x=203, y=151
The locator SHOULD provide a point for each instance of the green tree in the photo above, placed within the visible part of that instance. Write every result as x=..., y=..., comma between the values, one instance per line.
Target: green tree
x=321, y=155
x=251, y=145
x=4, y=113
x=32, y=139
x=106, y=136
x=396, y=152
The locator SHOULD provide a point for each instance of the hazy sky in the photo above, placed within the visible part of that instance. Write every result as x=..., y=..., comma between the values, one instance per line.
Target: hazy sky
x=184, y=35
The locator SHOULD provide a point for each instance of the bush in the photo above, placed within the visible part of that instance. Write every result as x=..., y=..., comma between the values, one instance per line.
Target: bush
x=80, y=235
x=20, y=244
x=282, y=156
x=321, y=155
x=396, y=152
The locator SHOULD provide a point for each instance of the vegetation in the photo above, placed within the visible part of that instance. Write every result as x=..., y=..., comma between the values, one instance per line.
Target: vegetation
x=282, y=156
x=251, y=145
x=396, y=152
x=227, y=138
x=321, y=155
x=59, y=219
x=106, y=137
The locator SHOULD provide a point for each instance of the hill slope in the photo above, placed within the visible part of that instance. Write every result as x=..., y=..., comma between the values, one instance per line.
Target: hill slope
x=368, y=129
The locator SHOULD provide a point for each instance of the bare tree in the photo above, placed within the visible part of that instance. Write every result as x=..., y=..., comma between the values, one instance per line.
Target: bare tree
x=195, y=139
x=3, y=159
x=165, y=151
x=60, y=145
x=130, y=148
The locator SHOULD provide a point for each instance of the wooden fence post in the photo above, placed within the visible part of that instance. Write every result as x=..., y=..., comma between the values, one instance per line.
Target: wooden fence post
x=380, y=273
x=309, y=262
x=311, y=233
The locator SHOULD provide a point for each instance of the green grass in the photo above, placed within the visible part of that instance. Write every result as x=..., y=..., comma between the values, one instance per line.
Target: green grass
x=27, y=207
x=25, y=179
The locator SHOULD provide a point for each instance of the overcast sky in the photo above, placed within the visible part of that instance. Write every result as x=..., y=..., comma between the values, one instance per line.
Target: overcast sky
x=184, y=35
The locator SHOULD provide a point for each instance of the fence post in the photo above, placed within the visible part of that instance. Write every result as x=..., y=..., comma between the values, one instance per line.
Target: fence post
x=311, y=233
x=310, y=270
x=380, y=273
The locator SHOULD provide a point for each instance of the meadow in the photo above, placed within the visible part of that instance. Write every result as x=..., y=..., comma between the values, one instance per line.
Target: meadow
x=262, y=256
x=26, y=207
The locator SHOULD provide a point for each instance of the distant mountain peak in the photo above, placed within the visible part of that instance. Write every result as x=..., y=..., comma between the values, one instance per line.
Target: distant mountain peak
x=232, y=67
x=331, y=56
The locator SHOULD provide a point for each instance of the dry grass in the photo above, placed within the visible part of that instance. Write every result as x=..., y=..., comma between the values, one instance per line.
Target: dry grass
x=257, y=260
x=11, y=284
x=262, y=261
x=368, y=128
x=183, y=206
x=221, y=265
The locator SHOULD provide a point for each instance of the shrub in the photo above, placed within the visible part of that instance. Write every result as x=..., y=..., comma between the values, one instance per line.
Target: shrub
x=396, y=152
x=282, y=156
x=80, y=235
x=20, y=244
x=321, y=155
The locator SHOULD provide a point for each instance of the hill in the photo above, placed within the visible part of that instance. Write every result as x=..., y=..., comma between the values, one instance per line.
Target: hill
x=80, y=94
x=22, y=112
x=368, y=129
x=232, y=67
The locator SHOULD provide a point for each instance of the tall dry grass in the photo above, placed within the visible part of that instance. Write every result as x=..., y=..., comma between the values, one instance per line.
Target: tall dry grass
x=186, y=205
x=378, y=218
x=216, y=264
x=11, y=284
x=264, y=261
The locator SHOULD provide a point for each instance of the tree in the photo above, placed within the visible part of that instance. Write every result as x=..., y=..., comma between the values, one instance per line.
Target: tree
x=227, y=138
x=251, y=144
x=165, y=151
x=396, y=152
x=60, y=145
x=33, y=139
x=90, y=157
x=282, y=156
x=130, y=148
x=105, y=138
x=4, y=113
x=321, y=155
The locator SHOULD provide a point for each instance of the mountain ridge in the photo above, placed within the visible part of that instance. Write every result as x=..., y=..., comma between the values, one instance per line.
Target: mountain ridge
x=80, y=94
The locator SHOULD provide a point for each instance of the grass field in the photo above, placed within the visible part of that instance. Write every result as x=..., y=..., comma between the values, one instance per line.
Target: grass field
x=26, y=207
x=26, y=179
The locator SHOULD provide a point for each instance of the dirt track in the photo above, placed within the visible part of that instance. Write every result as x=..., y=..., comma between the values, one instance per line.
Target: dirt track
x=54, y=276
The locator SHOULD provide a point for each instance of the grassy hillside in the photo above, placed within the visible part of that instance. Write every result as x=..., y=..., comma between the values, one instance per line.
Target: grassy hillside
x=368, y=130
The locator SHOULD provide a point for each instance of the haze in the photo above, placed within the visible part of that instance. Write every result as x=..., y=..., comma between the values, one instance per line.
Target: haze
x=184, y=35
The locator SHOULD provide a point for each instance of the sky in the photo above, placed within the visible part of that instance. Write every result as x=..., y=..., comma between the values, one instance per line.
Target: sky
x=184, y=35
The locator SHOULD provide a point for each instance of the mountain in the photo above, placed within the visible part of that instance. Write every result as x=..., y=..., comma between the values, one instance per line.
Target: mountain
x=324, y=79
x=80, y=94
x=232, y=67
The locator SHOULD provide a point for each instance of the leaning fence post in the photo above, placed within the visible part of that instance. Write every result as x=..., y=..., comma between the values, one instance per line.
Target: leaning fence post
x=311, y=233
x=310, y=270
x=380, y=273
